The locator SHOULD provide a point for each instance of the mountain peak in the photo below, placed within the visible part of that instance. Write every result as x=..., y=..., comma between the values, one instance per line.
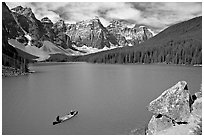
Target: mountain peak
x=17, y=9
x=60, y=26
x=129, y=35
x=61, y=21
x=117, y=23
x=96, y=18
x=24, y=11
x=90, y=21
x=144, y=27
x=46, y=20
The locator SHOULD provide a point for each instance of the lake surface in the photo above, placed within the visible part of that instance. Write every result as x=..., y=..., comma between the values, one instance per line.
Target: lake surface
x=111, y=99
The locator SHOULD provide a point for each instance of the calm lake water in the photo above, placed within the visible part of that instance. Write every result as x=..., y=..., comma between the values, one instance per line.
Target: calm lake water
x=111, y=99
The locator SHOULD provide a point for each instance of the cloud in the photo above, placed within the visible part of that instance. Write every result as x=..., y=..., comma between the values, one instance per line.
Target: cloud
x=162, y=15
x=157, y=15
x=40, y=9
x=124, y=12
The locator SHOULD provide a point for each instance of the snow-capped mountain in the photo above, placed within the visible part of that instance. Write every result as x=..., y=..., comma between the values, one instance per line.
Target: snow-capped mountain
x=43, y=37
x=129, y=36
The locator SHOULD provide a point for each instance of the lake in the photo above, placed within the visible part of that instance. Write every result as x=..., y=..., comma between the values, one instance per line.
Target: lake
x=111, y=99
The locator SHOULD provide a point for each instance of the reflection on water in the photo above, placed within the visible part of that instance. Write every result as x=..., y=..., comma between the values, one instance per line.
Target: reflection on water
x=111, y=99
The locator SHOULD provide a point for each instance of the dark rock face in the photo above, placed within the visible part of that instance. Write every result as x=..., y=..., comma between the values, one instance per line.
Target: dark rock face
x=173, y=103
x=10, y=29
x=90, y=33
x=9, y=24
x=29, y=24
x=61, y=38
x=128, y=36
x=55, y=32
x=116, y=28
x=47, y=26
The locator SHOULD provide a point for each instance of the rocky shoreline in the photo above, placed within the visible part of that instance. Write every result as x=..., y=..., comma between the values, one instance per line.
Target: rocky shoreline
x=10, y=71
x=176, y=112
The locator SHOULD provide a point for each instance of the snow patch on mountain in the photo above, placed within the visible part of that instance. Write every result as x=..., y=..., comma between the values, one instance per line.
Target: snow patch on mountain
x=37, y=52
x=29, y=49
x=153, y=33
x=129, y=44
x=43, y=52
x=90, y=50
x=142, y=26
x=28, y=38
x=128, y=37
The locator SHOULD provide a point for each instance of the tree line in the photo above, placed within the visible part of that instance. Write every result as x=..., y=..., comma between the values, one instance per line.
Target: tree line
x=187, y=52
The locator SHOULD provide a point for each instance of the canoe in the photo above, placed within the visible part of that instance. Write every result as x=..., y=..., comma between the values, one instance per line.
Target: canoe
x=65, y=118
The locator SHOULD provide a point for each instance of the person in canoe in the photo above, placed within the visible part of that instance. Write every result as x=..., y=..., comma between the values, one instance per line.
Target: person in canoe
x=72, y=112
x=58, y=119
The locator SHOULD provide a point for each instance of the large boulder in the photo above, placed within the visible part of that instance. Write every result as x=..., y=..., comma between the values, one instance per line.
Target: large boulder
x=173, y=103
x=176, y=112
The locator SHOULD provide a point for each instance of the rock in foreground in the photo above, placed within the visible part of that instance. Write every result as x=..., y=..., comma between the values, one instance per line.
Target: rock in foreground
x=176, y=113
x=173, y=103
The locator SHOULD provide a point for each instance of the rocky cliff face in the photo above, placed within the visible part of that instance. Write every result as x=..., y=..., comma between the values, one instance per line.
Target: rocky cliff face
x=55, y=32
x=93, y=34
x=129, y=36
x=90, y=33
x=116, y=28
x=10, y=29
x=47, y=26
x=61, y=39
x=176, y=112
x=40, y=31
x=9, y=25
x=29, y=24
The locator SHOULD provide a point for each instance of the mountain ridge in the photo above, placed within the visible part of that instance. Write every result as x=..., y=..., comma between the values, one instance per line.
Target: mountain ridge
x=63, y=34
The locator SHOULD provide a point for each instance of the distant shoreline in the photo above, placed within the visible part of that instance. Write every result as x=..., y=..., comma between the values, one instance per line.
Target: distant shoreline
x=53, y=63
x=59, y=63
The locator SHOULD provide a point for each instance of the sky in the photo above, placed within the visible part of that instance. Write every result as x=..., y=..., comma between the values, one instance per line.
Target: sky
x=156, y=15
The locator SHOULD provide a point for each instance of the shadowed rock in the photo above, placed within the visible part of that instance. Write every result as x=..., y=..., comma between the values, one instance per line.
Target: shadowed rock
x=173, y=103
